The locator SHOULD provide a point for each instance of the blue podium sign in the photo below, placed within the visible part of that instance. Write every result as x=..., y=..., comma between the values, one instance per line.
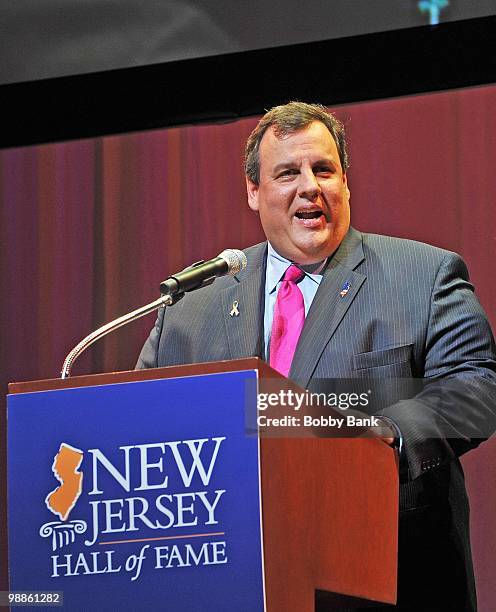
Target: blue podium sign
x=137, y=496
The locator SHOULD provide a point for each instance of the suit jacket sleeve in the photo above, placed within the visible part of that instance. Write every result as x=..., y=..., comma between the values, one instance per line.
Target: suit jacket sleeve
x=149, y=353
x=457, y=408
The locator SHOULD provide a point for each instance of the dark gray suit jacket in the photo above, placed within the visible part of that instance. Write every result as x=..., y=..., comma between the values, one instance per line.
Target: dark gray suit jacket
x=410, y=312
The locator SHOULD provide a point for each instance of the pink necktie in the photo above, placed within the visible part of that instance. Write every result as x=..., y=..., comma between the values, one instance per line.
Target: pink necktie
x=289, y=316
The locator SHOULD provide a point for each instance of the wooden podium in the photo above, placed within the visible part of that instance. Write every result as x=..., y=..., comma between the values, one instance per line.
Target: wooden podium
x=329, y=505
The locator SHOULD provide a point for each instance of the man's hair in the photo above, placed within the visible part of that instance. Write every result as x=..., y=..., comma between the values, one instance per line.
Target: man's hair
x=289, y=118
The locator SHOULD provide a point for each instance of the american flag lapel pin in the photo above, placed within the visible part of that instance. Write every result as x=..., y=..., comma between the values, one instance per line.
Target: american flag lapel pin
x=344, y=289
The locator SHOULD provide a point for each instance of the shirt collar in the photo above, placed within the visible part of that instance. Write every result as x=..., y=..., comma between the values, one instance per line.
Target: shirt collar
x=277, y=266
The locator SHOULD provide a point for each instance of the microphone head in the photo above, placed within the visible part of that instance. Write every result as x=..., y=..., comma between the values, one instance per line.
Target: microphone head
x=235, y=259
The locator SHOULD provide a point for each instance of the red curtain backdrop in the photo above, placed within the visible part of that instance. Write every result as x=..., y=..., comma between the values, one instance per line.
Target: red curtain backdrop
x=89, y=228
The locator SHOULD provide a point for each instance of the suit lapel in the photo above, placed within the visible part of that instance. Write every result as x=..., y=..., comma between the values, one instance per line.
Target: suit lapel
x=329, y=306
x=245, y=331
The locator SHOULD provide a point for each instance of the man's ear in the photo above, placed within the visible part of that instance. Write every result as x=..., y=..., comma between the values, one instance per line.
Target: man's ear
x=252, y=192
x=345, y=181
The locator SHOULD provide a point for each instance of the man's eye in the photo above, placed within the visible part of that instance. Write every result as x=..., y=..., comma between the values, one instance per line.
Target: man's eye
x=322, y=170
x=288, y=172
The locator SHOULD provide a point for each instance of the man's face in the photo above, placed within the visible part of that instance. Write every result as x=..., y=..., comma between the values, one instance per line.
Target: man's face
x=302, y=196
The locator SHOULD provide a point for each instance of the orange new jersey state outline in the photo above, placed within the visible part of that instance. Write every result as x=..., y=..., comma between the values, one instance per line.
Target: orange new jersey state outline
x=65, y=465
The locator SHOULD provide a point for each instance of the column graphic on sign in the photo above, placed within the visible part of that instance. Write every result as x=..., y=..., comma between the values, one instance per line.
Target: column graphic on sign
x=65, y=468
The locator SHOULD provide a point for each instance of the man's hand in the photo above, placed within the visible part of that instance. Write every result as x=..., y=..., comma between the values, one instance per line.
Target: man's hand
x=385, y=431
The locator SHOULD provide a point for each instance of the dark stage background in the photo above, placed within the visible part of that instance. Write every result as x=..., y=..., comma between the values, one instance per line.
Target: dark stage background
x=41, y=39
x=89, y=228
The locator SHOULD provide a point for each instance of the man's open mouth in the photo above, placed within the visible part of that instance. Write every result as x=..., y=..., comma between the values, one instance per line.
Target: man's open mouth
x=309, y=214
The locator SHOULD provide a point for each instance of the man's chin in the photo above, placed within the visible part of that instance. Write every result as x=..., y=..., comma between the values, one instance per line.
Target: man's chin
x=308, y=247
x=312, y=254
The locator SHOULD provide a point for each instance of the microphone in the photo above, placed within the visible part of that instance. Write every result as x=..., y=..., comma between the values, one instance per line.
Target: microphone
x=201, y=273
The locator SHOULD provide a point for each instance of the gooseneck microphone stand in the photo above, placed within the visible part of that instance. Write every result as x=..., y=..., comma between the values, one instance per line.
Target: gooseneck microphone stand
x=162, y=302
x=196, y=276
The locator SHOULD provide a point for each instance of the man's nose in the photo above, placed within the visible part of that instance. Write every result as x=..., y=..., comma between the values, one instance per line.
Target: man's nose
x=309, y=187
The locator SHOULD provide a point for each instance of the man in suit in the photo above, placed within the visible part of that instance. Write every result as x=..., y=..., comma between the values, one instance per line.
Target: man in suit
x=374, y=307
